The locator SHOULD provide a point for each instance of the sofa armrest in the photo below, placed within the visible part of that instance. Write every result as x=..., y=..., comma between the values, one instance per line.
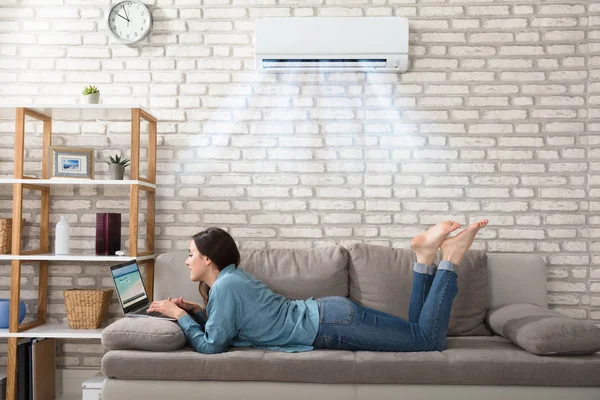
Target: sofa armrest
x=543, y=331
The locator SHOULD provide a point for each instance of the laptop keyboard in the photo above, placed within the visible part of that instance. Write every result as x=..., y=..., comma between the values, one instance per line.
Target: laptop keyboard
x=157, y=314
x=152, y=314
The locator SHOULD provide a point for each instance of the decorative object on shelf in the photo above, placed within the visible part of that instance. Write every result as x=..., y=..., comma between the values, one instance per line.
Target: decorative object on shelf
x=86, y=308
x=5, y=311
x=117, y=166
x=72, y=162
x=62, y=236
x=6, y=235
x=91, y=94
x=129, y=21
x=108, y=233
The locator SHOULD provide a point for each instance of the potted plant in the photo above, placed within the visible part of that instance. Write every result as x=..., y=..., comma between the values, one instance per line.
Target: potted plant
x=91, y=94
x=117, y=166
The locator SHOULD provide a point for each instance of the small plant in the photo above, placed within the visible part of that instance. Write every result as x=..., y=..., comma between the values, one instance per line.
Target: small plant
x=116, y=159
x=90, y=90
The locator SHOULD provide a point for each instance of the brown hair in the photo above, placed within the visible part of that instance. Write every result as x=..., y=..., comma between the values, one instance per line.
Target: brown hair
x=220, y=247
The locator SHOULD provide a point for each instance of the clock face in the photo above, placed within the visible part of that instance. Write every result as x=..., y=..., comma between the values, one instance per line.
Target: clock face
x=129, y=21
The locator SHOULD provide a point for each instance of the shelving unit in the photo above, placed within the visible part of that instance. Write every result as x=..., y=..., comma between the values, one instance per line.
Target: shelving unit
x=45, y=114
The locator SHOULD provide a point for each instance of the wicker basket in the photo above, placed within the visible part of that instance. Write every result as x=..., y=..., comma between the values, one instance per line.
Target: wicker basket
x=6, y=235
x=86, y=308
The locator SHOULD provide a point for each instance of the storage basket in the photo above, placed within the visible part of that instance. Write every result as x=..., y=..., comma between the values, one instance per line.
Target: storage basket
x=6, y=235
x=86, y=308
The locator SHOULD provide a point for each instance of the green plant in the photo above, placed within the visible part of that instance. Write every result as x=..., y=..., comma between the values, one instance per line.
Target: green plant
x=116, y=159
x=90, y=90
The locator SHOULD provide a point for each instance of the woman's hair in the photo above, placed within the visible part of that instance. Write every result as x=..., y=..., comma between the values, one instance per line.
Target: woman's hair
x=220, y=247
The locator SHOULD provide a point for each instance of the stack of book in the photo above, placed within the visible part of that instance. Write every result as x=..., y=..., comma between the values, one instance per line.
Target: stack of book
x=36, y=379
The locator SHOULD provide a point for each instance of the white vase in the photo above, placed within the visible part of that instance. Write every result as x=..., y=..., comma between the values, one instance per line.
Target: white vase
x=62, y=236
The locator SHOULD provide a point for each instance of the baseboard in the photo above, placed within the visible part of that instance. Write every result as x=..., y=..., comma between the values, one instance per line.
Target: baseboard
x=68, y=381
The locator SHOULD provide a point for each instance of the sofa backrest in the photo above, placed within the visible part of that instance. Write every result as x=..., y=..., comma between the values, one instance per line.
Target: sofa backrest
x=327, y=271
x=300, y=273
x=294, y=273
x=516, y=278
x=381, y=278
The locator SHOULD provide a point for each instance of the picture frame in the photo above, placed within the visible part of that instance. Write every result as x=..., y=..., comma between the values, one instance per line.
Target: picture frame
x=72, y=162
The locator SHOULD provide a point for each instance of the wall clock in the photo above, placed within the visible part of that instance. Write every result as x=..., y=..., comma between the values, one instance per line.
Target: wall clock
x=129, y=21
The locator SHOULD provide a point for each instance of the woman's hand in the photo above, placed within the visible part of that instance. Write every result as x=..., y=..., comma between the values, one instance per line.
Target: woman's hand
x=167, y=307
x=187, y=305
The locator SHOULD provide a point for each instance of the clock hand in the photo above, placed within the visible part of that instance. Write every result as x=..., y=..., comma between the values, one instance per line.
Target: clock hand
x=123, y=17
x=127, y=15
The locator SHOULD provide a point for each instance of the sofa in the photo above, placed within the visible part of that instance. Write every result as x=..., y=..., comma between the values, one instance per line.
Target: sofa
x=481, y=359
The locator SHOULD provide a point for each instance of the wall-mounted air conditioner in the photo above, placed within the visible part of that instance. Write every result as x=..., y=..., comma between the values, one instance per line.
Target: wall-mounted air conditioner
x=378, y=44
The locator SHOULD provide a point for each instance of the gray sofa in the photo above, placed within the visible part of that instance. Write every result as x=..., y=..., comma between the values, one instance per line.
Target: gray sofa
x=476, y=363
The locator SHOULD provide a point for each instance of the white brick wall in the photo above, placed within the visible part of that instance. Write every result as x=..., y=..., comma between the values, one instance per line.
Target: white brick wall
x=497, y=117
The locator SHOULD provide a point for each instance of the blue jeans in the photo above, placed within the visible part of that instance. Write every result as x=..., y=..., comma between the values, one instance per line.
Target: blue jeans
x=346, y=325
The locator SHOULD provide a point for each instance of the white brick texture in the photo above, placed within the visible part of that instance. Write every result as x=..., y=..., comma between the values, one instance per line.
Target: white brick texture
x=497, y=117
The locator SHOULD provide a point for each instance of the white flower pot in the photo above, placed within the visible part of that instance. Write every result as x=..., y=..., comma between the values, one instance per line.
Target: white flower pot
x=93, y=98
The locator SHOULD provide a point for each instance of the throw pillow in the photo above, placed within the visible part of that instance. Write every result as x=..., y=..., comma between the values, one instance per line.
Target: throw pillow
x=143, y=334
x=543, y=331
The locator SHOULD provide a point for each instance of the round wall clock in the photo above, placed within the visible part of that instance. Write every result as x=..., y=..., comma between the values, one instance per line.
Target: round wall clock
x=129, y=21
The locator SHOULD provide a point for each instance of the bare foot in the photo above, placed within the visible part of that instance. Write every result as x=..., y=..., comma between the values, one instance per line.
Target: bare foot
x=455, y=248
x=426, y=244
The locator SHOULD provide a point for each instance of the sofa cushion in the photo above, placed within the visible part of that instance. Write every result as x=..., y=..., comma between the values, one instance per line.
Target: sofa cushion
x=543, y=331
x=483, y=360
x=300, y=273
x=381, y=278
x=143, y=334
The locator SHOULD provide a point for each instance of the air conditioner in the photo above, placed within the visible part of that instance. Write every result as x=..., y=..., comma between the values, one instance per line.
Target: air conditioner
x=377, y=44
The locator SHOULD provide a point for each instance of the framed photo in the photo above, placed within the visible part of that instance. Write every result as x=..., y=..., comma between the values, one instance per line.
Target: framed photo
x=72, y=162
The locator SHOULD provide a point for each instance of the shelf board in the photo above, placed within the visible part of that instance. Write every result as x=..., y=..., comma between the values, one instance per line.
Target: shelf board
x=73, y=257
x=75, y=181
x=56, y=331
x=73, y=111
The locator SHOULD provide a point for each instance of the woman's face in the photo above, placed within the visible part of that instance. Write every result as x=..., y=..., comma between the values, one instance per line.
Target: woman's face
x=198, y=264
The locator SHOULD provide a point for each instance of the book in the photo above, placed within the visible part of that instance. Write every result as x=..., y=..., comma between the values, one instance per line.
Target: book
x=23, y=369
x=108, y=233
x=2, y=383
x=43, y=373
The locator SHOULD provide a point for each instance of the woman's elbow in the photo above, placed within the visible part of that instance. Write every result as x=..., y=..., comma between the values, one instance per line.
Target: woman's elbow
x=210, y=349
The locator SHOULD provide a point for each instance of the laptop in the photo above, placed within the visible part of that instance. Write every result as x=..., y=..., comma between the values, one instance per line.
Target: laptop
x=132, y=292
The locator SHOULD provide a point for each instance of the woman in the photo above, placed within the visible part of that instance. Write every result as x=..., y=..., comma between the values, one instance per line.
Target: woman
x=243, y=311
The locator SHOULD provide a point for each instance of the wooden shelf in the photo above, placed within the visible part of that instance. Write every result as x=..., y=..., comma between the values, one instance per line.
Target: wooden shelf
x=73, y=257
x=74, y=181
x=56, y=331
x=73, y=111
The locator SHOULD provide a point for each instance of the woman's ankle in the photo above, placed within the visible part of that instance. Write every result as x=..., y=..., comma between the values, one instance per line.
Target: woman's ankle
x=422, y=268
x=448, y=266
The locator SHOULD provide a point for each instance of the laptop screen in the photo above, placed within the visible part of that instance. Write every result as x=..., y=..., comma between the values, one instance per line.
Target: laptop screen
x=129, y=285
